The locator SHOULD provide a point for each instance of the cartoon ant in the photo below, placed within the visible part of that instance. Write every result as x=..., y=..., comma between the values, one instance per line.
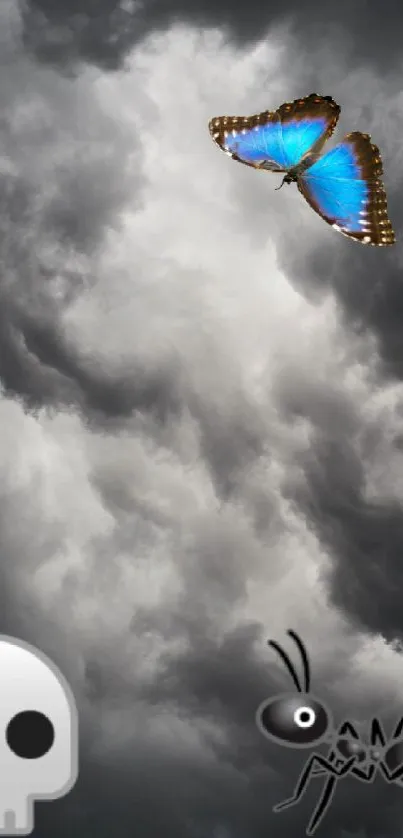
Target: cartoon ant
x=302, y=721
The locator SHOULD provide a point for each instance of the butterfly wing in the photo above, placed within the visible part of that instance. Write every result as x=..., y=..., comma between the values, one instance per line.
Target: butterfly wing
x=345, y=188
x=277, y=140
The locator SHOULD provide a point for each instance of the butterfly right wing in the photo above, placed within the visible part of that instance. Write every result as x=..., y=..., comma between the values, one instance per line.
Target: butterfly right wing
x=345, y=188
x=278, y=140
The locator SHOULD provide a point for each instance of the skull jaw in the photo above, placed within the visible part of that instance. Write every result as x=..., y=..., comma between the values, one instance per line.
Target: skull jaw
x=17, y=817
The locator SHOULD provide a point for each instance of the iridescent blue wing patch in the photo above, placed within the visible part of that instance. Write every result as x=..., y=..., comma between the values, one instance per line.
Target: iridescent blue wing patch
x=345, y=188
x=278, y=140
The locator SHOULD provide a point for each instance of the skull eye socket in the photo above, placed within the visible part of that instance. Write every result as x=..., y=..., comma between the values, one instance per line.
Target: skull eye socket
x=30, y=734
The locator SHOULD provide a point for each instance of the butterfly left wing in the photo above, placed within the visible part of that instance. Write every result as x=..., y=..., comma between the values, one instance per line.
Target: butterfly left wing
x=277, y=140
x=345, y=188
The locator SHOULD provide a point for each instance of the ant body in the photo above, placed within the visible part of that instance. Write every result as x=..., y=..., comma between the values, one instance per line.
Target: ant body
x=302, y=721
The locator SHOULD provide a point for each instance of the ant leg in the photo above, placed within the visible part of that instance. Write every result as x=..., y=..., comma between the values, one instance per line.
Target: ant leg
x=398, y=729
x=319, y=772
x=391, y=776
x=306, y=774
x=395, y=775
x=323, y=805
x=362, y=774
x=329, y=790
x=377, y=736
x=347, y=729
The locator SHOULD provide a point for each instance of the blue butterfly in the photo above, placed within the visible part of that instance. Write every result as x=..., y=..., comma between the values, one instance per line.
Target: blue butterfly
x=344, y=185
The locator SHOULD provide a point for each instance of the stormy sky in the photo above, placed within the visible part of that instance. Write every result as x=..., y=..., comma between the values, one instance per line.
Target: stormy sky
x=201, y=439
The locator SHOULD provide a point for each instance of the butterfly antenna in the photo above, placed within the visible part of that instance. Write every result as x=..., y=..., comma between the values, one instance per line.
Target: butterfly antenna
x=281, y=184
x=304, y=657
x=287, y=663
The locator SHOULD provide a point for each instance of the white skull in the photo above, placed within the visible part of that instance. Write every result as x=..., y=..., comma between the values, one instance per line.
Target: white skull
x=38, y=749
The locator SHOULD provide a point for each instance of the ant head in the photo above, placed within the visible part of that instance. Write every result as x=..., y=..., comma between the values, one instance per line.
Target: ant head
x=298, y=721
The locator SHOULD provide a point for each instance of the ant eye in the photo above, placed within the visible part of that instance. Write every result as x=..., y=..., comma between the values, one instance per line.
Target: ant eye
x=304, y=717
x=293, y=720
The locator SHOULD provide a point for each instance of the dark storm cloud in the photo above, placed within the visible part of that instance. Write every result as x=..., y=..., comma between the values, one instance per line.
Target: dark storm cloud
x=367, y=283
x=36, y=361
x=371, y=294
x=63, y=185
x=75, y=380
x=214, y=776
x=104, y=32
x=364, y=535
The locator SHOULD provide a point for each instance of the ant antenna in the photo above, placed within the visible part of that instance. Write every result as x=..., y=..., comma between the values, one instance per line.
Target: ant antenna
x=304, y=657
x=288, y=663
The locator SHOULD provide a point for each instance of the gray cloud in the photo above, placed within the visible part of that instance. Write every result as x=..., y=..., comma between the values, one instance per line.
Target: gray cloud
x=66, y=174
x=199, y=446
x=104, y=33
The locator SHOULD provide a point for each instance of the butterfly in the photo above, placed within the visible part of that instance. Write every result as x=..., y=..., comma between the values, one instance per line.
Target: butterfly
x=343, y=185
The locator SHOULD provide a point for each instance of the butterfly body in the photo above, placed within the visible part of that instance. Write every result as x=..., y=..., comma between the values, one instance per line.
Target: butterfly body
x=292, y=175
x=343, y=185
